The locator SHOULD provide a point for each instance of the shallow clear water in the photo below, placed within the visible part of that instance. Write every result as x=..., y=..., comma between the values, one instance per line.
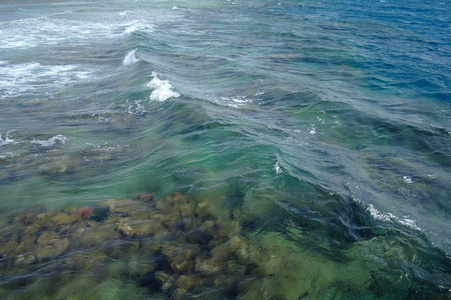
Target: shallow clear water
x=322, y=129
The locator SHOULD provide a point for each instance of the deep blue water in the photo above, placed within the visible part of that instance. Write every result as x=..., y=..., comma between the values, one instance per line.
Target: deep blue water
x=326, y=122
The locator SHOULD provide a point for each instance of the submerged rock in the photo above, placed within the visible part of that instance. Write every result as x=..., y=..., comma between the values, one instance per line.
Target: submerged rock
x=50, y=244
x=86, y=212
x=57, y=163
x=139, y=228
x=171, y=248
x=64, y=218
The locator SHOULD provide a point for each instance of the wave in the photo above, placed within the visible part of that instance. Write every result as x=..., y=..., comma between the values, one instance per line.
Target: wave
x=138, y=26
x=277, y=168
x=7, y=140
x=51, y=141
x=124, y=13
x=130, y=59
x=162, y=89
x=33, y=32
x=134, y=108
x=236, y=102
x=19, y=79
x=388, y=217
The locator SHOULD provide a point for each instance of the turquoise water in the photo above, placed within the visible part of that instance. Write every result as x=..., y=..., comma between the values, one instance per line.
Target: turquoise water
x=320, y=129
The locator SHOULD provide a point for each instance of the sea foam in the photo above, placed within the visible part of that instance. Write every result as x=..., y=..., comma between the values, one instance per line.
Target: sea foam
x=7, y=140
x=51, y=141
x=277, y=168
x=134, y=107
x=130, y=59
x=124, y=13
x=137, y=26
x=18, y=79
x=162, y=89
x=233, y=102
x=390, y=217
x=34, y=32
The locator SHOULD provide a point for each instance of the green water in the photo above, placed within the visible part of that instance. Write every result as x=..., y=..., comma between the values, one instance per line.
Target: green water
x=310, y=143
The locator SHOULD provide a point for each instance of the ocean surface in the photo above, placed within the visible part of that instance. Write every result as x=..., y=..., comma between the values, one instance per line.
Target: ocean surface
x=320, y=129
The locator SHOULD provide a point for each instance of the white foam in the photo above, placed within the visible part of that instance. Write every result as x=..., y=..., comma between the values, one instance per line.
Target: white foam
x=52, y=30
x=409, y=222
x=7, y=140
x=277, y=168
x=7, y=154
x=407, y=179
x=18, y=79
x=239, y=101
x=174, y=7
x=388, y=217
x=137, y=26
x=130, y=58
x=33, y=32
x=51, y=141
x=379, y=215
x=134, y=107
x=124, y=13
x=162, y=89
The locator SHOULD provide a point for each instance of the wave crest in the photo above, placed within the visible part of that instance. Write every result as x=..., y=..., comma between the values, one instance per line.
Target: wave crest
x=130, y=59
x=162, y=89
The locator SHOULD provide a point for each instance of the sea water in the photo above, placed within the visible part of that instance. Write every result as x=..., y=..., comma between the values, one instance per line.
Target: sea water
x=321, y=128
